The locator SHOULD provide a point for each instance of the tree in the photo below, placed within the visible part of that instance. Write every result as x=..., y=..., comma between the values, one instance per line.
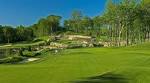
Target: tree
x=43, y=29
x=98, y=23
x=120, y=17
x=20, y=33
x=76, y=18
x=1, y=34
x=28, y=34
x=86, y=23
x=35, y=30
x=24, y=33
x=8, y=33
x=46, y=26
x=53, y=22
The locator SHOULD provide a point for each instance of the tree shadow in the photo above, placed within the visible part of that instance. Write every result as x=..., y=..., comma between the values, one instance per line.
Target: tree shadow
x=105, y=78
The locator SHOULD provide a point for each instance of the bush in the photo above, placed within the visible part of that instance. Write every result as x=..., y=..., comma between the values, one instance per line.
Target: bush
x=75, y=46
x=69, y=32
x=13, y=59
x=98, y=45
x=66, y=41
x=42, y=43
x=44, y=51
x=37, y=40
x=30, y=53
x=29, y=48
x=20, y=52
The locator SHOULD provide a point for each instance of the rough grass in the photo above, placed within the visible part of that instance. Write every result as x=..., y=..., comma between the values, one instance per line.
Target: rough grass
x=85, y=65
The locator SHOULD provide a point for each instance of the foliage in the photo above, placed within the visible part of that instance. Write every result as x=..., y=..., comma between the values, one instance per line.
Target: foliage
x=37, y=40
x=27, y=53
x=122, y=21
x=46, y=26
x=13, y=59
x=74, y=45
x=127, y=21
x=10, y=35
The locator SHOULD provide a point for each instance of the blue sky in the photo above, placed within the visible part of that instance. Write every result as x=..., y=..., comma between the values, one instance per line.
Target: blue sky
x=27, y=12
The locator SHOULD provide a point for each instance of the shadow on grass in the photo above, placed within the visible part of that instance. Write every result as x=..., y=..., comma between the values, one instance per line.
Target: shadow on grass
x=105, y=78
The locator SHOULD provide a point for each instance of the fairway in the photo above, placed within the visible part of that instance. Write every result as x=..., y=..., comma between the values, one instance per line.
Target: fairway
x=75, y=41
x=85, y=65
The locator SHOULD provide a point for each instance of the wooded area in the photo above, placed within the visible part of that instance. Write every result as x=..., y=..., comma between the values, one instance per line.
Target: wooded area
x=124, y=21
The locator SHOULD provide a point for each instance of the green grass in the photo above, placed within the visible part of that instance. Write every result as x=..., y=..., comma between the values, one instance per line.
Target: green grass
x=85, y=65
x=44, y=38
x=20, y=45
x=24, y=43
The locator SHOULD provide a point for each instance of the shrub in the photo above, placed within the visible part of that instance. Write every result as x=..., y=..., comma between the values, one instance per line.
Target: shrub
x=98, y=45
x=37, y=40
x=20, y=52
x=75, y=46
x=29, y=48
x=69, y=33
x=42, y=43
x=13, y=59
x=31, y=53
x=44, y=51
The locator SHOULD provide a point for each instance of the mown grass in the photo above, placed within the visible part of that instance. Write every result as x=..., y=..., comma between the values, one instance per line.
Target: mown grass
x=23, y=44
x=20, y=45
x=84, y=65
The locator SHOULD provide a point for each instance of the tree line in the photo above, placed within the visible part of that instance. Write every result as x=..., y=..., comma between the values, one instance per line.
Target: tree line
x=43, y=27
x=128, y=21
x=9, y=34
x=123, y=21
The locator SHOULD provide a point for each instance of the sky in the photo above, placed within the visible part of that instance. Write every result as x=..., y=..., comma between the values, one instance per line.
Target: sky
x=28, y=12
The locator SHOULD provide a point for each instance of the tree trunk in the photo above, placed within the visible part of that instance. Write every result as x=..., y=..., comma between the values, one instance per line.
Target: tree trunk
x=127, y=37
x=8, y=41
x=119, y=41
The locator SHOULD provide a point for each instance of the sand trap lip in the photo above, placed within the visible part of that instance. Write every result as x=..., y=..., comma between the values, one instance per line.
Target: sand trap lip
x=30, y=60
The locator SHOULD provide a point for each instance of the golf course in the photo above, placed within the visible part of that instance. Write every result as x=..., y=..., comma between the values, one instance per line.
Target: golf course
x=75, y=41
x=84, y=65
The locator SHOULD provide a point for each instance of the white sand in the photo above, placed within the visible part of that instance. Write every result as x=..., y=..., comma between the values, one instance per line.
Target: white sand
x=32, y=59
